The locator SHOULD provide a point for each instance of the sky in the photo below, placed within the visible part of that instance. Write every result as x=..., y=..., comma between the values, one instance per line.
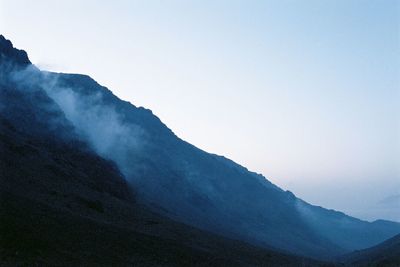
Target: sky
x=305, y=92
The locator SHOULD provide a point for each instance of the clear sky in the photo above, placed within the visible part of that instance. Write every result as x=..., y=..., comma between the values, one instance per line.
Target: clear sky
x=305, y=92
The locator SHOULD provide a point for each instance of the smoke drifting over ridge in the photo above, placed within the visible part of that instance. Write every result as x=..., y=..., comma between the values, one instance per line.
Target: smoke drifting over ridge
x=186, y=183
x=100, y=125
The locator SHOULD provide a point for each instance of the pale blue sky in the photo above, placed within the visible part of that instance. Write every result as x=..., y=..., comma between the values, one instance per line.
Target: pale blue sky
x=305, y=92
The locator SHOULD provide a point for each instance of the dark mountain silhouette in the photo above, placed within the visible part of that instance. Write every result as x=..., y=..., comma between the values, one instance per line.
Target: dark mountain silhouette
x=202, y=189
x=386, y=253
x=61, y=204
x=69, y=149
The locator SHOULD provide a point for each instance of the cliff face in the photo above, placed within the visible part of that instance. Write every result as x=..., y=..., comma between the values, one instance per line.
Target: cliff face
x=10, y=53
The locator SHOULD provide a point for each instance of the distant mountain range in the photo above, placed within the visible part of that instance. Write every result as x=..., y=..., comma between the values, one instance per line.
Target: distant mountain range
x=76, y=161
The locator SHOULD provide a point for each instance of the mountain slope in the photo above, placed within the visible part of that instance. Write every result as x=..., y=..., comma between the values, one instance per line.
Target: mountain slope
x=186, y=184
x=386, y=253
x=202, y=189
x=61, y=204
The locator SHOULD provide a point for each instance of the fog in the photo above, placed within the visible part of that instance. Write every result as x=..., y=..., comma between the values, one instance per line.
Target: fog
x=98, y=124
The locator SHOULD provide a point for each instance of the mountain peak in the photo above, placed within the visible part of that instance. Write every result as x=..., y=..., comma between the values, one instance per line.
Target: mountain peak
x=9, y=53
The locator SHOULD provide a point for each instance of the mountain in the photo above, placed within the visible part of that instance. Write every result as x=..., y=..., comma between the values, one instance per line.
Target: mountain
x=386, y=253
x=166, y=175
x=61, y=204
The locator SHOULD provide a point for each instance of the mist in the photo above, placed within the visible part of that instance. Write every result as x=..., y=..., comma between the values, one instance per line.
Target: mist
x=99, y=124
x=94, y=122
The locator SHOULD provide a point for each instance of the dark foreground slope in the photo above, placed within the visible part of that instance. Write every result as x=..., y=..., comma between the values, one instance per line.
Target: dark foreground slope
x=386, y=253
x=63, y=205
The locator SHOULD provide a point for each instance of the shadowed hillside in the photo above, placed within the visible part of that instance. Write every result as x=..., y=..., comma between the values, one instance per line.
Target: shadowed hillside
x=386, y=253
x=63, y=205
x=201, y=189
x=89, y=178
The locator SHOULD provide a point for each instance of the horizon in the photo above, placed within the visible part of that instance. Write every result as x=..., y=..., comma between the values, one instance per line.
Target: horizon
x=316, y=116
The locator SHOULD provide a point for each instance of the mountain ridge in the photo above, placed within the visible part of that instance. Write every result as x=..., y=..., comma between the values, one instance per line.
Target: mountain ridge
x=61, y=204
x=229, y=164
x=8, y=51
x=180, y=181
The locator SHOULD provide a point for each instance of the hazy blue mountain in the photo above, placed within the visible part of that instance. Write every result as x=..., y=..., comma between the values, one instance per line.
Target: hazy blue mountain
x=61, y=204
x=386, y=253
x=184, y=183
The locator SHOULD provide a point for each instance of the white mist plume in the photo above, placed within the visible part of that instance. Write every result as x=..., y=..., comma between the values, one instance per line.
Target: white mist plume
x=100, y=125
